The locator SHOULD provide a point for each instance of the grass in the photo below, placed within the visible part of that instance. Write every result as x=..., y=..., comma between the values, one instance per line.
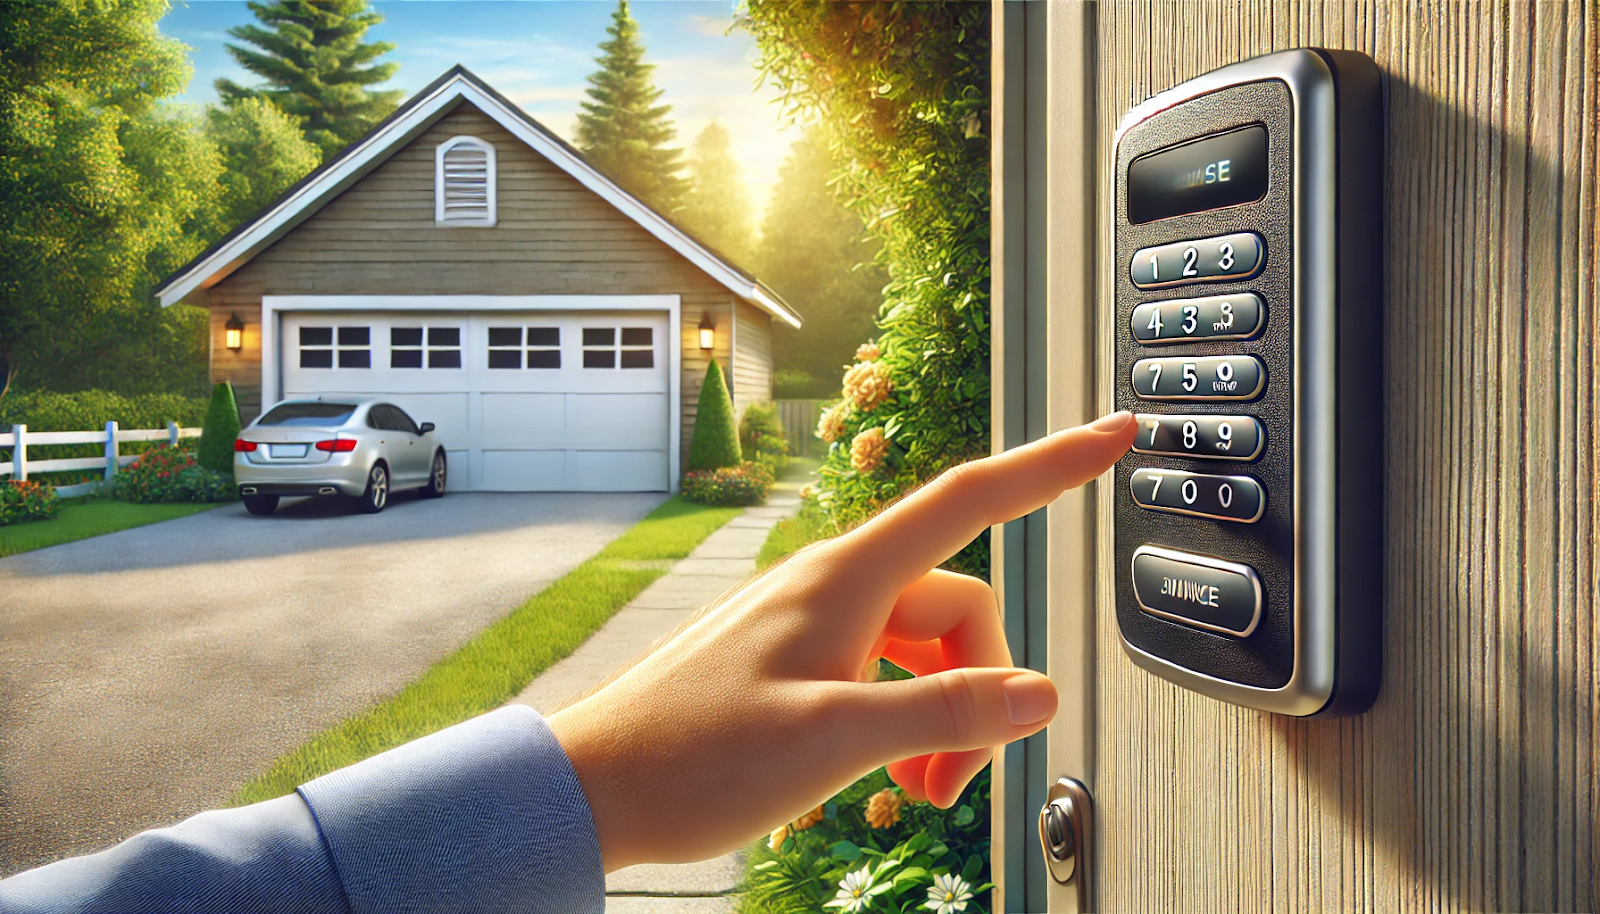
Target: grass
x=82, y=519
x=501, y=660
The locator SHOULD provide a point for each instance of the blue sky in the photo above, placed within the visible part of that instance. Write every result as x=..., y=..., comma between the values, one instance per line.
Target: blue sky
x=539, y=53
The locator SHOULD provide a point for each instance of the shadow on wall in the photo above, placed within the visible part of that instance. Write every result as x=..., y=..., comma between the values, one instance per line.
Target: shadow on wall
x=1473, y=778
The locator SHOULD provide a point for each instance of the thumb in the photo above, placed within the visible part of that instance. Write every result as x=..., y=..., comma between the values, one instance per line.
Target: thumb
x=952, y=711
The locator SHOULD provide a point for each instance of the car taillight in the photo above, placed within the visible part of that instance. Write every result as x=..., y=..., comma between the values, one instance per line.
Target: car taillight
x=239, y=444
x=337, y=444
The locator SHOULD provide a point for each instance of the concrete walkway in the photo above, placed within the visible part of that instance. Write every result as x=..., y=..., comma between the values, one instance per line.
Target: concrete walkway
x=726, y=558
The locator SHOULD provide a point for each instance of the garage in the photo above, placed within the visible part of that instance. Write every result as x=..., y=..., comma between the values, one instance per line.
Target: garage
x=524, y=400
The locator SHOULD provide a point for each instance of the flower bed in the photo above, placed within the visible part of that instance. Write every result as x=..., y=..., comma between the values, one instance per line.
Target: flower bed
x=29, y=500
x=169, y=474
x=740, y=486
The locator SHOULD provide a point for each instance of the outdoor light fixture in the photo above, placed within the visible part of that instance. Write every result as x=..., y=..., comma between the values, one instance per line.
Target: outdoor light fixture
x=234, y=333
x=708, y=332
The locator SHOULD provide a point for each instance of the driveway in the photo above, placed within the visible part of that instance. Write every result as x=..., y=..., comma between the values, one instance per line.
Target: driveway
x=146, y=675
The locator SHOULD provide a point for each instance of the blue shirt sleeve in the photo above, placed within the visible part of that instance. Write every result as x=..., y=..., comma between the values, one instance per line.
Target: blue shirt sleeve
x=486, y=816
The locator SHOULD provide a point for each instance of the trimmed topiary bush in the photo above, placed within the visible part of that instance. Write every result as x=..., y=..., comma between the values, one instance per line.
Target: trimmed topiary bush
x=733, y=487
x=28, y=500
x=716, y=438
x=220, y=430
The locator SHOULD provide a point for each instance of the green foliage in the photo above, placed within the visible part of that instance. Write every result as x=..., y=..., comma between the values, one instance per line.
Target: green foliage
x=716, y=438
x=263, y=153
x=317, y=68
x=221, y=428
x=90, y=410
x=717, y=207
x=761, y=435
x=815, y=253
x=167, y=474
x=740, y=486
x=27, y=500
x=621, y=129
x=904, y=90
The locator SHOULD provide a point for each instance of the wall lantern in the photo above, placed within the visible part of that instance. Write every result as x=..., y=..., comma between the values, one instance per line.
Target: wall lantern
x=708, y=332
x=234, y=334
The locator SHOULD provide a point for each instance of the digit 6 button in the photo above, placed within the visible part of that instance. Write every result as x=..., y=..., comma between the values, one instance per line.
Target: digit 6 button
x=1221, y=377
x=1235, y=498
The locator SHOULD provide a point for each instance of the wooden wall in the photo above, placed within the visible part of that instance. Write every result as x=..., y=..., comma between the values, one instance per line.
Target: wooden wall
x=1472, y=784
x=553, y=237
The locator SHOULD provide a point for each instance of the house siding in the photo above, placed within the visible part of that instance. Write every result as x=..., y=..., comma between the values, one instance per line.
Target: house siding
x=553, y=237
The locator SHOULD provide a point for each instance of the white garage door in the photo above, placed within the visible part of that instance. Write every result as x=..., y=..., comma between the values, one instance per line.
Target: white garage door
x=523, y=401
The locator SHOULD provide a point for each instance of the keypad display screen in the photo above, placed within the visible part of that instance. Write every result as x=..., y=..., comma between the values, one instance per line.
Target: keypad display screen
x=1206, y=174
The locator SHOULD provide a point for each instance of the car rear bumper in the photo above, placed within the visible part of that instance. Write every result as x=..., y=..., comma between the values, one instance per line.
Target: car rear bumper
x=297, y=488
x=306, y=479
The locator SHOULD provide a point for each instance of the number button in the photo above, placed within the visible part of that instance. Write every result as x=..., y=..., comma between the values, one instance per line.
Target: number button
x=1224, y=377
x=1234, y=498
x=1224, y=257
x=1221, y=317
x=1237, y=438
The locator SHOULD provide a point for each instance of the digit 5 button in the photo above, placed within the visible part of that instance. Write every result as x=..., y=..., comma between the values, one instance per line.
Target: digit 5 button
x=1235, y=498
x=1220, y=377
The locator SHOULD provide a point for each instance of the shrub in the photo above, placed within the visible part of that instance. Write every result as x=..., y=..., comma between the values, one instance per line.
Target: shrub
x=739, y=486
x=761, y=435
x=30, y=500
x=169, y=474
x=221, y=428
x=90, y=410
x=716, y=438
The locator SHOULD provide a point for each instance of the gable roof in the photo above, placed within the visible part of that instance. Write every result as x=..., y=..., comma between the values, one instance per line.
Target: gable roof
x=420, y=112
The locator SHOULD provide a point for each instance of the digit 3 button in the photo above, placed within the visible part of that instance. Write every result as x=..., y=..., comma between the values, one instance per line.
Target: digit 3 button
x=1197, y=590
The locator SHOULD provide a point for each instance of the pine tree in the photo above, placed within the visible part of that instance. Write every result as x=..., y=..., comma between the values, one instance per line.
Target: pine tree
x=621, y=128
x=316, y=67
x=716, y=436
x=717, y=208
x=222, y=426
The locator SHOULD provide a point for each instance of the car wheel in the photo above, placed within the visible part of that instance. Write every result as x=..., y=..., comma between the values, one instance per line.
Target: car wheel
x=377, y=494
x=436, y=478
x=260, y=505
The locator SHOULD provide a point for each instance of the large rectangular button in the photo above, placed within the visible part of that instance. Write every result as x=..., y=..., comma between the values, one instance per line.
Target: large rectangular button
x=1235, y=498
x=1209, y=437
x=1225, y=257
x=1197, y=590
x=1220, y=317
x=1216, y=377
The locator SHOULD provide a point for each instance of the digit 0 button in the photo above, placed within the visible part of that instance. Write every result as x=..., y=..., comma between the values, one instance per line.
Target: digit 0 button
x=1225, y=257
x=1219, y=377
x=1197, y=590
x=1235, y=498
x=1210, y=437
x=1220, y=317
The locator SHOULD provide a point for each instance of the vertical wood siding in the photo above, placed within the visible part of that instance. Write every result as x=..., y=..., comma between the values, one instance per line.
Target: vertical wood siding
x=1472, y=784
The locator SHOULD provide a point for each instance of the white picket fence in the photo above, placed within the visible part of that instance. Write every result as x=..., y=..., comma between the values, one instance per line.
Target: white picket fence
x=19, y=439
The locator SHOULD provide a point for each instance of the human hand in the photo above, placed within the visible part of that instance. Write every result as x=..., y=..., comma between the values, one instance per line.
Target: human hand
x=763, y=707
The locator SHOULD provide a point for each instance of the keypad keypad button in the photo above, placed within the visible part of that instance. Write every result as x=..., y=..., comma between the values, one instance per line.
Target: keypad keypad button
x=1236, y=256
x=1197, y=590
x=1220, y=377
x=1209, y=437
x=1219, y=317
x=1233, y=498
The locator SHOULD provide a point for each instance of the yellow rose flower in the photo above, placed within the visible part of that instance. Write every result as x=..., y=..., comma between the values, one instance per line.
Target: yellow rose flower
x=866, y=352
x=778, y=836
x=867, y=384
x=883, y=807
x=831, y=425
x=806, y=821
x=868, y=450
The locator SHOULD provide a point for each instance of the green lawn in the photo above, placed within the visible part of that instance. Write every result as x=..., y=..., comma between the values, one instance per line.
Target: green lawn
x=81, y=520
x=502, y=659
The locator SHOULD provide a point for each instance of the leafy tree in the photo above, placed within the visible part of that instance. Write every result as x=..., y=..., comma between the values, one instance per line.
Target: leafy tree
x=220, y=430
x=317, y=68
x=106, y=190
x=717, y=208
x=621, y=128
x=815, y=253
x=263, y=153
x=716, y=438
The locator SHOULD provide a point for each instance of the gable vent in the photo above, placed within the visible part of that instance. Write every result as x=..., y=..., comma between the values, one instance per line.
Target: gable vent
x=464, y=182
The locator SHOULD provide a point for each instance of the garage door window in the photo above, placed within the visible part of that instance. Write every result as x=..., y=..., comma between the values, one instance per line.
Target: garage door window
x=614, y=347
x=321, y=346
x=507, y=344
x=442, y=349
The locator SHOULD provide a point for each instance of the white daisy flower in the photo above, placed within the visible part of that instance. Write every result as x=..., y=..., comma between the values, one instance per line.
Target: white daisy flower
x=853, y=897
x=948, y=894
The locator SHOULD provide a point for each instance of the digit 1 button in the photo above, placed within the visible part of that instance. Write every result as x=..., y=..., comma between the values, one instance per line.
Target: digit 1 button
x=1225, y=257
x=1197, y=590
x=1218, y=377
x=1220, y=317
x=1235, y=498
x=1210, y=437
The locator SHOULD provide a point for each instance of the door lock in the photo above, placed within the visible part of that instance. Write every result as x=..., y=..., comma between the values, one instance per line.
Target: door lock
x=1065, y=835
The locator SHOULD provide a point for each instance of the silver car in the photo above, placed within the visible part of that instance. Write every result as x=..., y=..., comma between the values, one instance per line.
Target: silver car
x=359, y=448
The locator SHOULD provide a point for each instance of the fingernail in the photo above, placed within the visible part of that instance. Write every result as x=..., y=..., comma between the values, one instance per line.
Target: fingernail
x=1030, y=698
x=1113, y=422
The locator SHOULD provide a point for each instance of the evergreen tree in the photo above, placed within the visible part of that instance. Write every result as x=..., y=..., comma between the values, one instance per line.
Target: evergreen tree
x=716, y=436
x=717, y=208
x=317, y=68
x=263, y=152
x=621, y=128
x=219, y=431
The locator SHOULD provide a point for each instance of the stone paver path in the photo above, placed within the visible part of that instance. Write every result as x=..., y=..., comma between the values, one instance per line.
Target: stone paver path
x=726, y=558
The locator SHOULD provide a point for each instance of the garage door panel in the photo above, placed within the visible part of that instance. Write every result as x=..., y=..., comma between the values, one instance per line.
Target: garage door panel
x=617, y=471
x=525, y=471
x=524, y=420
x=618, y=420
